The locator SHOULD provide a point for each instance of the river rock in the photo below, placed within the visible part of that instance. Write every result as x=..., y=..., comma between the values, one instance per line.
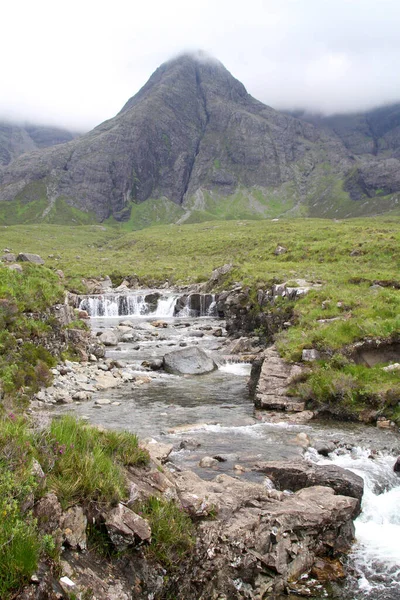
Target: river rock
x=157, y=450
x=396, y=467
x=189, y=361
x=325, y=448
x=208, y=461
x=31, y=258
x=106, y=381
x=126, y=528
x=109, y=338
x=301, y=474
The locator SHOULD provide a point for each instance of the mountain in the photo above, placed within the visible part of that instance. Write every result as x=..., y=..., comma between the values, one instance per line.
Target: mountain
x=191, y=145
x=17, y=139
x=374, y=138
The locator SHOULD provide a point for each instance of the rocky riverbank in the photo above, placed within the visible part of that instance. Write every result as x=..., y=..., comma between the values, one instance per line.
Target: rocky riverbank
x=252, y=540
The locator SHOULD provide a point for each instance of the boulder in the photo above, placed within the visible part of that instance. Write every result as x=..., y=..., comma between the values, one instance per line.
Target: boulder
x=8, y=257
x=108, y=338
x=188, y=361
x=126, y=528
x=31, y=258
x=301, y=474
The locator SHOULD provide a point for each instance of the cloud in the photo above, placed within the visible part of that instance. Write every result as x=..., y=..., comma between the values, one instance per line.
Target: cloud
x=77, y=63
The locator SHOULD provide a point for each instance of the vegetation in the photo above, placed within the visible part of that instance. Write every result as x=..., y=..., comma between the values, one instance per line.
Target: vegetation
x=81, y=464
x=171, y=530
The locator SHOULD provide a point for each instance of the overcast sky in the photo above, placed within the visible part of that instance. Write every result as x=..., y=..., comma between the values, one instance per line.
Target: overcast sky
x=76, y=63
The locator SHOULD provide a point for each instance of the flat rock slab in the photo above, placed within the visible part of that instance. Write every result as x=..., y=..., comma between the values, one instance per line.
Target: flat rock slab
x=188, y=361
x=301, y=474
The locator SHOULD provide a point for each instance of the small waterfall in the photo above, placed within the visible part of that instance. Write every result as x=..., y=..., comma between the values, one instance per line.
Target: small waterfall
x=196, y=305
x=155, y=304
x=376, y=554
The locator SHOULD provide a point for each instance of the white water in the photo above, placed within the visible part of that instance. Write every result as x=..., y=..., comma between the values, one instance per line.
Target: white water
x=113, y=305
x=376, y=554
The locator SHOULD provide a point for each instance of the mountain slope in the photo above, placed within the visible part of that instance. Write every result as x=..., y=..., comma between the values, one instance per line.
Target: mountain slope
x=192, y=138
x=17, y=139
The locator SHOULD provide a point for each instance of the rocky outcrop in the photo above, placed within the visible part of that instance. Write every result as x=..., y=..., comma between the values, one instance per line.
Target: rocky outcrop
x=301, y=474
x=274, y=377
x=188, y=361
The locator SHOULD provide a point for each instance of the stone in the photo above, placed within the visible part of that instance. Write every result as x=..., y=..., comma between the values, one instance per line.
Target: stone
x=102, y=401
x=217, y=332
x=106, y=381
x=325, y=448
x=299, y=474
x=31, y=258
x=16, y=267
x=158, y=451
x=125, y=527
x=108, y=338
x=190, y=361
x=8, y=257
x=48, y=513
x=309, y=355
x=396, y=467
x=219, y=272
x=280, y=250
x=208, y=461
x=161, y=324
x=73, y=525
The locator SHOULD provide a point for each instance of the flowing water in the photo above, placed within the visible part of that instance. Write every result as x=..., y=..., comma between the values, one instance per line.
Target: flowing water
x=212, y=415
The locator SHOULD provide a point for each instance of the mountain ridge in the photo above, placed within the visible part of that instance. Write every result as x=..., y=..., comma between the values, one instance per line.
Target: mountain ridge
x=194, y=139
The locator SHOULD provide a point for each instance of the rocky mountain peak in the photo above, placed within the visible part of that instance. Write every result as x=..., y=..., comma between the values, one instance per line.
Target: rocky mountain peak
x=193, y=142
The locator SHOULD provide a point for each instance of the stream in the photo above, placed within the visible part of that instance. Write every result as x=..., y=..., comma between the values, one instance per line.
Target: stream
x=212, y=415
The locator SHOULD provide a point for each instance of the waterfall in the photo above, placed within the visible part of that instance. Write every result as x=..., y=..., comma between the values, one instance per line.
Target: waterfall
x=196, y=305
x=376, y=554
x=150, y=303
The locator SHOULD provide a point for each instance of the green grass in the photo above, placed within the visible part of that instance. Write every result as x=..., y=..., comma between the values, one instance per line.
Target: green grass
x=81, y=464
x=344, y=257
x=172, y=531
x=85, y=464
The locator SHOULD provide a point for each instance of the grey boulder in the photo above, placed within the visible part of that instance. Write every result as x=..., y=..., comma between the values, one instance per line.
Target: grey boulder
x=188, y=361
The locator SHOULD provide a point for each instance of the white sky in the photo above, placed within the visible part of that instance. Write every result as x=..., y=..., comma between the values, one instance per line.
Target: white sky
x=76, y=63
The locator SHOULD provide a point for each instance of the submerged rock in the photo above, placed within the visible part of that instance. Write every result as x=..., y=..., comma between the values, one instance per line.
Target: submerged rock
x=188, y=361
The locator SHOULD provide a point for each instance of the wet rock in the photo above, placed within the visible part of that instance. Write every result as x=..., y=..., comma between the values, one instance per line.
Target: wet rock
x=109, y=338
x=153, y=365
x=301, y=474
x=190, y=361
x=126, y=528
x=97, y=350
x=325, y=448
x=396, y=467
x=102, y=401
x=160, y=324
x=106, y=381
x=31, y=258
x=217, y=332
x=208, y=461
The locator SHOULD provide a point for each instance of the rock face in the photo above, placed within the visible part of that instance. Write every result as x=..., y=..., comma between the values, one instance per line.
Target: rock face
x=260, y=542
x=188, y=361
x=192, y=135
x=275, y=375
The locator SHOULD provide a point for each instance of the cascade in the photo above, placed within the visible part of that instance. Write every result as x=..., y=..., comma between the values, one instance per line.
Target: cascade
x=148, y=303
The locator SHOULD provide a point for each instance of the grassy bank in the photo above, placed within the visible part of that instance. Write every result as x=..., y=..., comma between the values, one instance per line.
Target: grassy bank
x=355, y=263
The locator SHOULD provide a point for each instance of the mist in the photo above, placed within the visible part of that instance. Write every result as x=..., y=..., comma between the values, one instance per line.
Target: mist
x=75, y=65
